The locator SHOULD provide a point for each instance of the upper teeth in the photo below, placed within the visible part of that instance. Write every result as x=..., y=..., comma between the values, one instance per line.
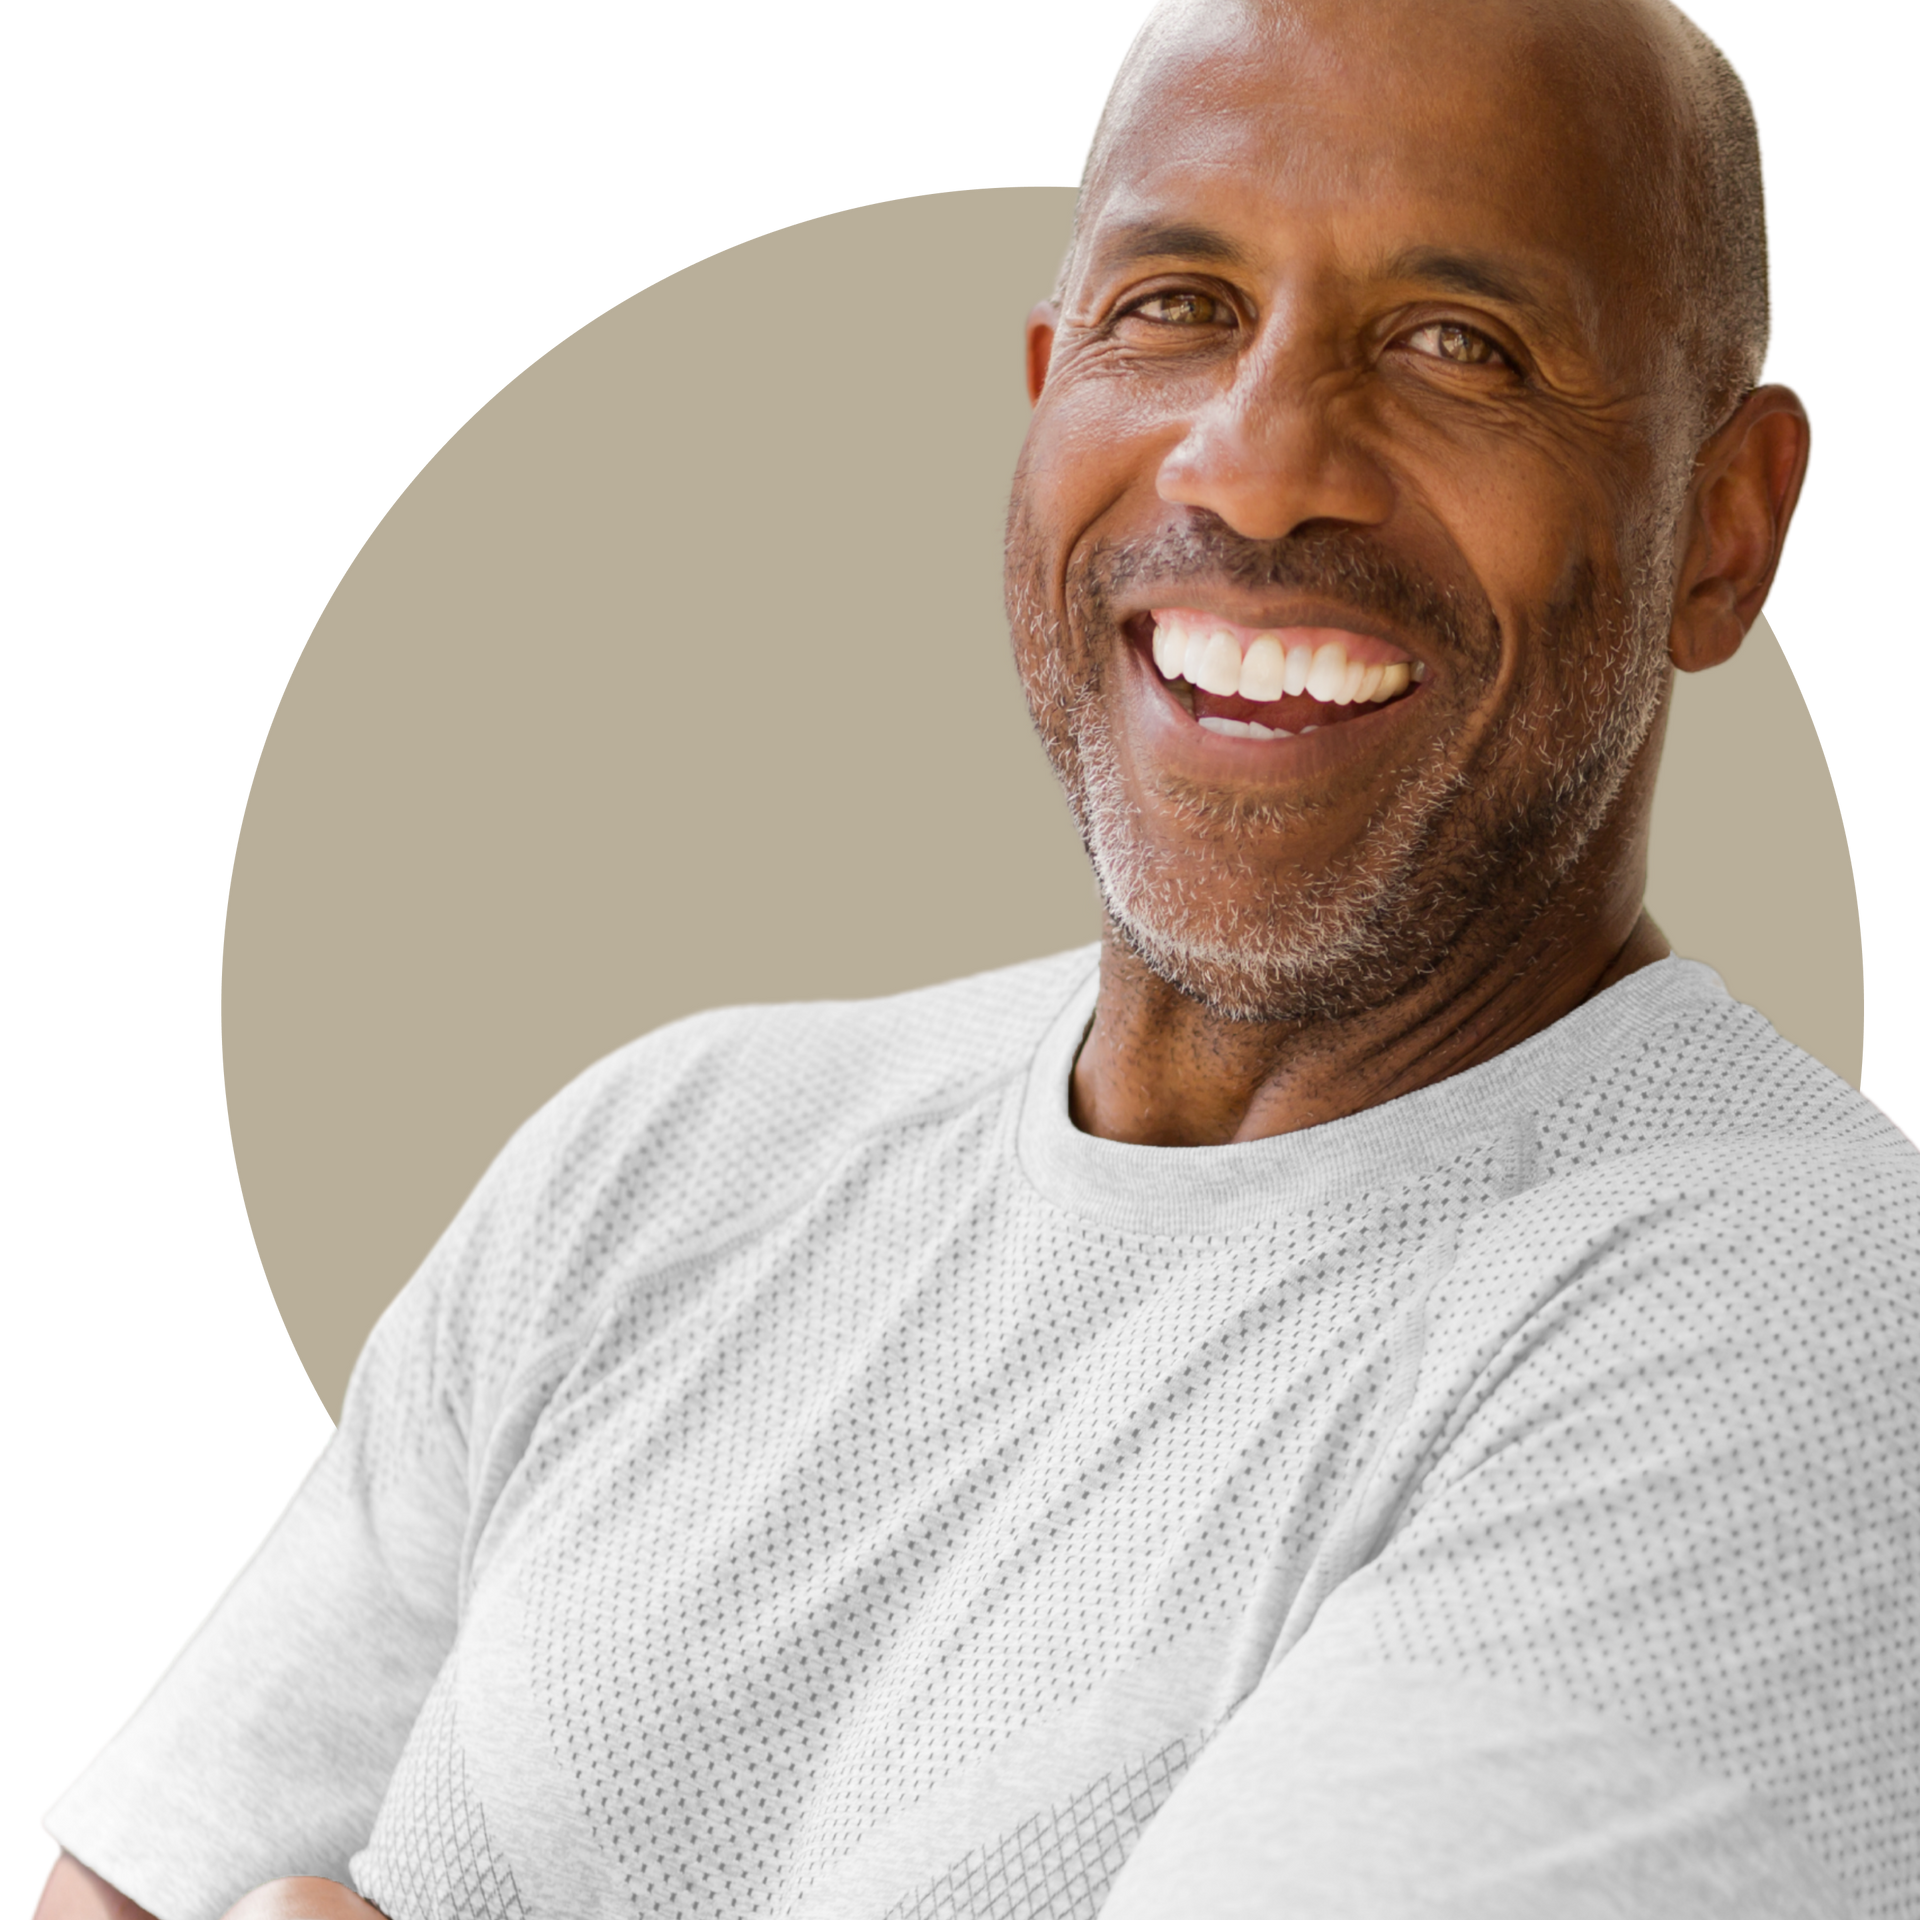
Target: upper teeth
x=1211, y=659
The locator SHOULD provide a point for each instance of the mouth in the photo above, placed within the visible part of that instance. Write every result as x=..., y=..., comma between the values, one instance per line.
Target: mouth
x=1272, y=683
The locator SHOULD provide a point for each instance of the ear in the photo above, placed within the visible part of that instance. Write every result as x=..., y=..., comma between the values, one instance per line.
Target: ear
x=1745, y=484
x=1041, y=323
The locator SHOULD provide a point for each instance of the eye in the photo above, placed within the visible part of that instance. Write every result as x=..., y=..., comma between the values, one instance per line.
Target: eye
x=1181, y=308
x=1458, y=345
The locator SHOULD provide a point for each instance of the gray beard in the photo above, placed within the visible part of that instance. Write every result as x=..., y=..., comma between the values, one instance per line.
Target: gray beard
x=1445, y=851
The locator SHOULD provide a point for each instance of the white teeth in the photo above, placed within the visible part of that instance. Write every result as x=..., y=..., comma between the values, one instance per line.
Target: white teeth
x=1211, y=660
x=1218, y=668
x=1263, y=673
x=1243, y=729
x=1329, y=673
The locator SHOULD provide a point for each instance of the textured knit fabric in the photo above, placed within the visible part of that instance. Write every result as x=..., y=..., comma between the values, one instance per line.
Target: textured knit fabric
x=812, y=1479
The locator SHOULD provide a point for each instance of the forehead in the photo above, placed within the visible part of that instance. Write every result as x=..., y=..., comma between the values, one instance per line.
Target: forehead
x=1387, y=126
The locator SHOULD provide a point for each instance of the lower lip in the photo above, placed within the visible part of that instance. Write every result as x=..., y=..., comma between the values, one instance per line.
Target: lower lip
x=1173, y=730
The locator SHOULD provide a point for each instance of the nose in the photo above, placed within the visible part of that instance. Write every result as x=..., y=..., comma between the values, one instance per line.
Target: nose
x=1275, y=453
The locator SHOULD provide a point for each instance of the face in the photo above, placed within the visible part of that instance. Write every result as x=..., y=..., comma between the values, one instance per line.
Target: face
x=1340, y=555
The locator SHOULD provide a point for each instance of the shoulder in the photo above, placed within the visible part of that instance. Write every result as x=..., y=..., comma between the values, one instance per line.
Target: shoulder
x=1699, y=1071
x=1705, y=1353
x=1712, y=1221
x=793, y=1084
x=1700, y=1135
x=691, y=1138
x=1759, y=1293
x=722, y=1120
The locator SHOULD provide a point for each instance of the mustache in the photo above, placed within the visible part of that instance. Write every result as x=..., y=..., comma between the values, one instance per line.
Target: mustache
x=1334, y=563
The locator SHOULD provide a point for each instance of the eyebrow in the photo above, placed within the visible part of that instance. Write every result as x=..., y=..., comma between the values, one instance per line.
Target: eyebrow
x=1152, y=239
x=1473, y=275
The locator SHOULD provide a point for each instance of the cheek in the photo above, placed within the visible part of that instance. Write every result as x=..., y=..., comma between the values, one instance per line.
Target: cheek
x=1047, y=652
x=1098, y=439
x=1536, y=524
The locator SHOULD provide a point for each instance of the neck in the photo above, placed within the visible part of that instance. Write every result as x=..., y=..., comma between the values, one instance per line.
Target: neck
x=1161, y=1069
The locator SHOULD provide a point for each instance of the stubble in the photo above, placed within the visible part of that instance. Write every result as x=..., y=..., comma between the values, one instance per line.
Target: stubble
x=1453, y=851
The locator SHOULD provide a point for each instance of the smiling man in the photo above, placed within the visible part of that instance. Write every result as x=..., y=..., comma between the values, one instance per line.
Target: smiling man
x=1396, y=428
x=1379, y=1392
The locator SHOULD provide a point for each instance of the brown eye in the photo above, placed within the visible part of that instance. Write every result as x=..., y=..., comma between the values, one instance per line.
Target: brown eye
x=1460, y=346
x=1182, y=310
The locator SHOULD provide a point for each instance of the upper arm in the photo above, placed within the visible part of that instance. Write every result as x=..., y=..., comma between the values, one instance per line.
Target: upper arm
x=266, y=1748
x=266, y=1751
x=1640, y=1634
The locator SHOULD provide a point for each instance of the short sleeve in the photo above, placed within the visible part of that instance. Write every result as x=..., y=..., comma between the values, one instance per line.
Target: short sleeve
x=1347, y=1788
x=1685, y=1495
x=266, y=1748
x=1641, y=1638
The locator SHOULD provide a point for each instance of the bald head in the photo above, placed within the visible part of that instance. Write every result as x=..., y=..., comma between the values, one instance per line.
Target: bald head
x=1640, y=102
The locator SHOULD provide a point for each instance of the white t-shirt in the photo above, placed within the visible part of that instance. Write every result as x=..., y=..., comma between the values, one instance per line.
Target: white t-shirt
x=811, y=1479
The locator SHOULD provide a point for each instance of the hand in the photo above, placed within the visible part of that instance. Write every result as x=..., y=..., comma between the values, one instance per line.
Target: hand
x=303, y=1900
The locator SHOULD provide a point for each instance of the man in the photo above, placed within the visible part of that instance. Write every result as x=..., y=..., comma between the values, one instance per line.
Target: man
x=1385, y=1394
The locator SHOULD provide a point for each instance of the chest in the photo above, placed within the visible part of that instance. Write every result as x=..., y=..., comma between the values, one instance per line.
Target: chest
x=843, y=1555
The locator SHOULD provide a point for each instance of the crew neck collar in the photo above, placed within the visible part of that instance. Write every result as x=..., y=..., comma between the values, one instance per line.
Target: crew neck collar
x=1189, y=1190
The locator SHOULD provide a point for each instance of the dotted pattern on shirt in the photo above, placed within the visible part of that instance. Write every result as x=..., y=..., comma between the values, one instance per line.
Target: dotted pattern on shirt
x=827, y=1459
x=1713, y=1609
x=619, y=1173
x=914, y=1507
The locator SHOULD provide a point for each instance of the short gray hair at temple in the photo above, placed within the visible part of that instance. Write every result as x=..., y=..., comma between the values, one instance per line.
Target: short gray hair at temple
x=1716, y=257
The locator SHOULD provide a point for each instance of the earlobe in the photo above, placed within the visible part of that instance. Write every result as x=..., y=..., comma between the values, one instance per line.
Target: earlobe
x=1708, y=630
x=1041, y=324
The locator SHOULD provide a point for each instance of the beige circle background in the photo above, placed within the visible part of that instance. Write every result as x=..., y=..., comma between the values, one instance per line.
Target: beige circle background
x=680, y=677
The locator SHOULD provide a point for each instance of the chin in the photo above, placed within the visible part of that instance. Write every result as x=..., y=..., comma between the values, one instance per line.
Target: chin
x=1311, y=949
x=1331, y=958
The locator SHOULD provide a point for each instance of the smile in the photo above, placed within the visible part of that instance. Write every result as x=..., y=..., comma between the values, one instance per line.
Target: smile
x=1273, y=683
